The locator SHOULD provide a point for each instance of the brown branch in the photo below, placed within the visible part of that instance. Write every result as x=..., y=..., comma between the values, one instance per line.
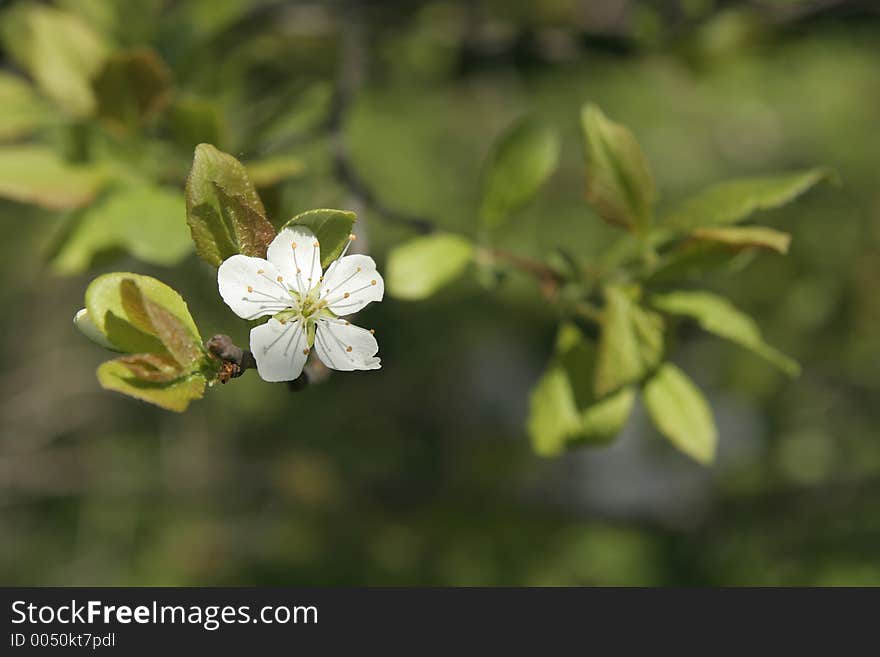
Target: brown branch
x=235, y=361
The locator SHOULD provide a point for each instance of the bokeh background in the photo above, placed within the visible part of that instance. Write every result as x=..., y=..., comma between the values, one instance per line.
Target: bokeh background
x=422, y=473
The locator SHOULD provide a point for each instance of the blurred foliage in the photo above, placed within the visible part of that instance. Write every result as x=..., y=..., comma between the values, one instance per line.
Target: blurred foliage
x=427, y=476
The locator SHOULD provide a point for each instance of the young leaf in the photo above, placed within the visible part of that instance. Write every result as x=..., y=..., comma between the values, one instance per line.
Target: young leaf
x=60, y=51
x=733, y=201
x=620, y=184
x=224, y=212
x=520, y=162
x=331, y=227
x=133, y=87
x=680, y=412
x=36, y=175
x=174, y=395
x=149, y=222
x=743, y=237
x=420, y=267
x=123, y=324
x=563, y=409
x=154, y=368
x=175, y=336
x=717, y=315
x=630, y=342
x=21, y=111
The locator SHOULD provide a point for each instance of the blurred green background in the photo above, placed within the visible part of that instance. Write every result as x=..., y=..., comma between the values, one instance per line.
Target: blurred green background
x=421, y=473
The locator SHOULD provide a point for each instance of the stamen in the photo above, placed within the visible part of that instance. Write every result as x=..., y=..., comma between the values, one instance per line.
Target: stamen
x=280, y=279
x=259, y=272
x=348, y=348
x=352, y=275
x=275, y=341
x=306, y=351
x=250, y=289
x=294, y=337
x=312, y=268
x=341, y=344
x=373, y=282
x=319, y=339
x=372, y=331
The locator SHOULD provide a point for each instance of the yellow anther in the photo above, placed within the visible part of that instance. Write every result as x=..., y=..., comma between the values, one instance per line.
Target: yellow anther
x=348, y=348
x=280, y=278
x=345, y=296
x=373, y=282
x=298, y=270
x=372, y=331
x=250, y=289
x=306, y=351
x=259, y=271
x=293, y=245
x=316, y=244
x=347, y=323
x=352, y=237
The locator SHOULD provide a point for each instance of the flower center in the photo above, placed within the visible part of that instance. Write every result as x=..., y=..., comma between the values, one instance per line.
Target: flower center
x=304, y=307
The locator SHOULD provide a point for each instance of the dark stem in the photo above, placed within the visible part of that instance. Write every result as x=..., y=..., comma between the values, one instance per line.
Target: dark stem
x=235, y=361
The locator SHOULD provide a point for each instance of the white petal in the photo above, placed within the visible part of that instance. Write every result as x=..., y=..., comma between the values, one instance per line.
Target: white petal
x=344, y=346
x=279, y=349
x=296, y=254
x=351, y=283
x=251, y=288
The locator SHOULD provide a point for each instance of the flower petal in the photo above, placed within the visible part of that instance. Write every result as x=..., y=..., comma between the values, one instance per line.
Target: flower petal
x=351, y=283
x=296, y=254
x=279, y=349
x=344, y=346
x=250, y=287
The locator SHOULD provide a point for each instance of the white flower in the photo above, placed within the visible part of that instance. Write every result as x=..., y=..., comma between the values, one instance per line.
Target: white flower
x=305, y=303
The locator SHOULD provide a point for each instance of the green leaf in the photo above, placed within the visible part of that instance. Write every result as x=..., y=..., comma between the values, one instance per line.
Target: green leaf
x=680, y=412
x=331, y=227
x=124, y=322
x=630, y=341
x=148, y=222
x=60, y=51
x=21, y=111
x=733, y=201
x=36, y=175
x=175, y=336
x=175, y=395
x=620, y=184
x=153, y=368
x=273, y=170
x=717, y=315
x=743, y=237
x=133, y=87
x=420, y=267
x=223, y=209
x=563, y=409
x=522, y=159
